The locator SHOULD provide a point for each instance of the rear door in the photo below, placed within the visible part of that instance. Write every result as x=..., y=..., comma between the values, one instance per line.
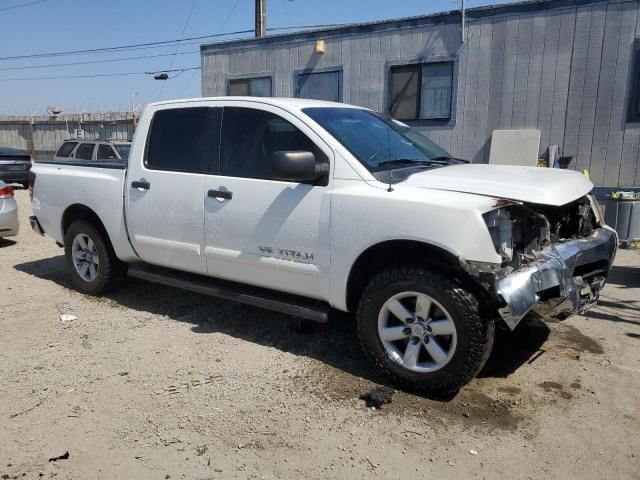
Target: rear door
x=106, y=153
x=259, y=230
x=165, y=185
x=85, y=151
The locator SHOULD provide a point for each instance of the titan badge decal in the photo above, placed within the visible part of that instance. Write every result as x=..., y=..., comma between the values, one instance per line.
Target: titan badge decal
x=286, y=254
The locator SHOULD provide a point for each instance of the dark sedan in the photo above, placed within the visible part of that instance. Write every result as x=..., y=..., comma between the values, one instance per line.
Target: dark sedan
x=14, y=166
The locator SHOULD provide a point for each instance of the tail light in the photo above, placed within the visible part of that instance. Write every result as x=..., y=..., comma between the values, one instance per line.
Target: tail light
x=6, y=192
x=32, y=184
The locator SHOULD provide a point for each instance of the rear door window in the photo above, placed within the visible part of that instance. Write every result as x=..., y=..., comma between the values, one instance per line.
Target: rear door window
x=185, y=140
x=106, y=152
x=85, y=151
x=65, y=149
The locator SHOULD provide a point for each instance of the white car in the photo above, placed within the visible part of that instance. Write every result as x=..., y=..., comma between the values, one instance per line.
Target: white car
x=9, y=225
x=301, y=206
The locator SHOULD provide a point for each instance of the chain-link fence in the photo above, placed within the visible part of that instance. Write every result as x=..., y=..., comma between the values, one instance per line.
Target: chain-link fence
x=41, y=135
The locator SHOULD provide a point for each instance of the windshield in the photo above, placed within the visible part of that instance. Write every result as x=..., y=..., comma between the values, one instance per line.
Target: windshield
x=123, y=150
x=378, y=141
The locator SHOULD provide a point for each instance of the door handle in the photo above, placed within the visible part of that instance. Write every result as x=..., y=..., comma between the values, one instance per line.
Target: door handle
x=220, y=194
x=140, y=184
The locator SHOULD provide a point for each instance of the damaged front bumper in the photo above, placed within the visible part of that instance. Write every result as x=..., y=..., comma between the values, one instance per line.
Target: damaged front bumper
x=565, y=279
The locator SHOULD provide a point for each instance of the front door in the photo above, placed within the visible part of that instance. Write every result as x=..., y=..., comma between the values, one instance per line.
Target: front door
x=259, y=230
x=165, y=192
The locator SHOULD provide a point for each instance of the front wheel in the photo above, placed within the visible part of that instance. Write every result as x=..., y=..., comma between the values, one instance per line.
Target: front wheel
x=424, y=330
x=90, y=259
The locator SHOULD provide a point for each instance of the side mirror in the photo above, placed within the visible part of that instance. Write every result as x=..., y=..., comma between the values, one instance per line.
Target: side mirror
x=296, y=166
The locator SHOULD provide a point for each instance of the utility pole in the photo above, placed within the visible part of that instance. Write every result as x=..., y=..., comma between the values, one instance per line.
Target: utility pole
x=134, y=120
x=464, y=21
x=261, y=18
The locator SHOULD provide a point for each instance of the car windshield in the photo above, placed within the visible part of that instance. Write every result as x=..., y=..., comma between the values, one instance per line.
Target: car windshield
x=123, y=150
x=379, y=142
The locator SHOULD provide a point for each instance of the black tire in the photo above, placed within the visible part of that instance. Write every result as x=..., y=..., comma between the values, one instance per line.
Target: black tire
x=474, y=334
x=111, y=271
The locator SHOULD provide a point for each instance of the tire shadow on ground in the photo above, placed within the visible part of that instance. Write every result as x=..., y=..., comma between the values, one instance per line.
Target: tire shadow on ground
x=334, y=344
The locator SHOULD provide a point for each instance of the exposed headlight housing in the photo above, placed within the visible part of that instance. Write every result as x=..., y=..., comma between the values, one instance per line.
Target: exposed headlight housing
x=500, y=228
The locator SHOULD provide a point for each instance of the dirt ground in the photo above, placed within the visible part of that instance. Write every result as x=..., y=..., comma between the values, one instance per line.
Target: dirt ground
x=153, y=382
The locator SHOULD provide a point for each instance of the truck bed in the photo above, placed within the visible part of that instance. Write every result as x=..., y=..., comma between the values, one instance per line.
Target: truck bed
x=96, y=186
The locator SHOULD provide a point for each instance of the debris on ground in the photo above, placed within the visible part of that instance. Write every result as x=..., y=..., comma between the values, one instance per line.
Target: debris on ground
x=473, y=452
x=201, y=450
x=378, y=396
x=67, y=317
x=64, y=456
x=14, y=415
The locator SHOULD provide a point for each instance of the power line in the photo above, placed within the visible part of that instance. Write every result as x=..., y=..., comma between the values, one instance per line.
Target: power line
x=184, y=29
x=159, y=44
x=90, y=62
x=120, y=47
x=96, y=75
x=22, y=5
x=224, y=24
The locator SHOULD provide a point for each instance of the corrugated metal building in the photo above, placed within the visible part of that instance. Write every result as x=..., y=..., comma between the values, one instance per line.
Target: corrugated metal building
x=570, y=68
x=41, y=135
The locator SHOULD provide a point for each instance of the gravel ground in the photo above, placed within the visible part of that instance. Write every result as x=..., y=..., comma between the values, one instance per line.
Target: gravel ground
x=153, y=382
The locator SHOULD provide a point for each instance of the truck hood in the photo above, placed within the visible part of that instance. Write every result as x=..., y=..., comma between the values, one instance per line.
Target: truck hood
x=545, y=186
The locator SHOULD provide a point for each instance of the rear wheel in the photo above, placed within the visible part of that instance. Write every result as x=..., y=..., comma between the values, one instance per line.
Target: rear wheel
x=424, y=330
x=90, y=259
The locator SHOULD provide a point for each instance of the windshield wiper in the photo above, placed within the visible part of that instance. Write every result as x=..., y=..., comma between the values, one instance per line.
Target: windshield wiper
x=447, y=157
x=408, y=162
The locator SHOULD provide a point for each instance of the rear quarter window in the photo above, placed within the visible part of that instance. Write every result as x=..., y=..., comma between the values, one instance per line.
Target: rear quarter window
x=65, y=149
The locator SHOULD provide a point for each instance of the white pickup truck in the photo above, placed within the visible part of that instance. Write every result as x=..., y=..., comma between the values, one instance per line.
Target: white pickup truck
x=301, y=206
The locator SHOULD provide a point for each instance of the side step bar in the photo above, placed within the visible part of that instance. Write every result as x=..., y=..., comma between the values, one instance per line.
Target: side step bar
x=257, y=297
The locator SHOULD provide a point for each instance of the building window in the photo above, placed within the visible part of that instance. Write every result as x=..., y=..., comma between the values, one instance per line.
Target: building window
x=319, y=86
x=633, y=114
x=250, y=87
x=421, y=91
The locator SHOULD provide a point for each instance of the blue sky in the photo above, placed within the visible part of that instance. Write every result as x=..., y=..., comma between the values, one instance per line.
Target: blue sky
x=63, y=25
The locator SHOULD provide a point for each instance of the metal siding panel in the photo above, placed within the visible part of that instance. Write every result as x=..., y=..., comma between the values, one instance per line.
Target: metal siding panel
x=482, y=132
x=455, y=146
x=525, y=28
x=376, y=66
x=471, y=91
x=405, y=44
x=548, y=78
x=509, y=72
x=615, y=139
x=395, y=40
x=433, y=38
x=417, y=44
x=576, y=82
x=590, y=87
x=605, y=97
x=631, y=142
x=366, y=90
x=562, y=77
x=347, y=73
x=536, y=62
x=495, y=81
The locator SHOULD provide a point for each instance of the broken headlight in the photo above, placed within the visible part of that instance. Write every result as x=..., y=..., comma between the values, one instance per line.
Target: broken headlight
x=500, y=228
